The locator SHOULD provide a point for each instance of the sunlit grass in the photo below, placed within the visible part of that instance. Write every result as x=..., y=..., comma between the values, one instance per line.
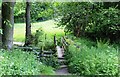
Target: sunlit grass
x=49, y=27
x=19, y=32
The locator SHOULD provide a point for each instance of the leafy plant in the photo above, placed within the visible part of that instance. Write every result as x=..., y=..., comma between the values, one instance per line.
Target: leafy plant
x=42, y=41
x=39, y=11
x=90, y=19
x=73, y=18
x=107, y=26
x=100, y=60
x=17, y=62
x=51, y=61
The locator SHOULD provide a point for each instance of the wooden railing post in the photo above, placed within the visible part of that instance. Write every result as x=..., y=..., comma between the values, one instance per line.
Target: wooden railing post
x=55, y=40
x=65, y=44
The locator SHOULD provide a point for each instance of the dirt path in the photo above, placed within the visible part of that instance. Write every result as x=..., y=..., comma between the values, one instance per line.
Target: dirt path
x=62, y=71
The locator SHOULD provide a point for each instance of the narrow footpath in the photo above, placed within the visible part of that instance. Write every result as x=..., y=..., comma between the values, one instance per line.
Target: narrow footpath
x=62, y=70
x=63, y=67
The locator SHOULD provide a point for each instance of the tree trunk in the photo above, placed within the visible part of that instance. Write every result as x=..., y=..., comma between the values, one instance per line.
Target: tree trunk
x=28, y=25
x=0, y=30
x=7, y=24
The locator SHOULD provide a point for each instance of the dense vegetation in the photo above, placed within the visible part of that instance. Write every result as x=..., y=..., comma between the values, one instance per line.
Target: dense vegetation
x=17, y=62
x=90, y=58
x=93, y=29
x=92, y=20
x=39, y=11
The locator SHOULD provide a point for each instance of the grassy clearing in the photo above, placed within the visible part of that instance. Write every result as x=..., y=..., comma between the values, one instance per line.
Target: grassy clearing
x=49, y=27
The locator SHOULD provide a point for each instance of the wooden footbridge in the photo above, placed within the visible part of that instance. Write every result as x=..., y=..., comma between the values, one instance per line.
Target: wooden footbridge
x=62, y=70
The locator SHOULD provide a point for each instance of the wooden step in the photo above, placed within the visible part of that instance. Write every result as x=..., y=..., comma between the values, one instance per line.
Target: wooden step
x=61, y=60
x=63, y=66
x=61, y=57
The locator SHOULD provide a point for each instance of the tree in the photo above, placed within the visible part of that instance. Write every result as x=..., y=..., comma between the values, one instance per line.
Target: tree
x=93, y=20
x=105, y=22
x=0, y=30
x=74, y=16
x=28, y=25
x=19, y=12
x=39, y=11
x=7, y=24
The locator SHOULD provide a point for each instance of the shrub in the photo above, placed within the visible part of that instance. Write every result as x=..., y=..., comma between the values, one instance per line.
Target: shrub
x=43, y=41
x=38, y=36
x=49, y=44
x=92, y=60
x=46, y=43
x=17, y=62
x=51, y=61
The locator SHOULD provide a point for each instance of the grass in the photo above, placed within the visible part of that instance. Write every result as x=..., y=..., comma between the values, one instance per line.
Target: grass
x=49, y=27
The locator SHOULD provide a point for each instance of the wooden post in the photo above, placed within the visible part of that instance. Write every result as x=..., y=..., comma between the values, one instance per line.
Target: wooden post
x=55, y=42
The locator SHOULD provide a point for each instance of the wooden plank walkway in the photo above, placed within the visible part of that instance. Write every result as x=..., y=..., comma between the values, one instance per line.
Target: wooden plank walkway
x=63, y=67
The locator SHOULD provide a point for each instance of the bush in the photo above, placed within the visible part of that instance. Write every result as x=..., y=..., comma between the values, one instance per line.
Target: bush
x=81, y=41
x=93, y=60
x=43, y=41
x=93, y=20
x=46, y=44
x=17, y=62
x=107, y=26
x=51, y=61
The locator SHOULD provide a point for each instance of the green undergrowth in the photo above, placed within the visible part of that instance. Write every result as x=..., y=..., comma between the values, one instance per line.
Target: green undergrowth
x=46, y=43
x=51, y=61
x=17, y=62
x=92, y=58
